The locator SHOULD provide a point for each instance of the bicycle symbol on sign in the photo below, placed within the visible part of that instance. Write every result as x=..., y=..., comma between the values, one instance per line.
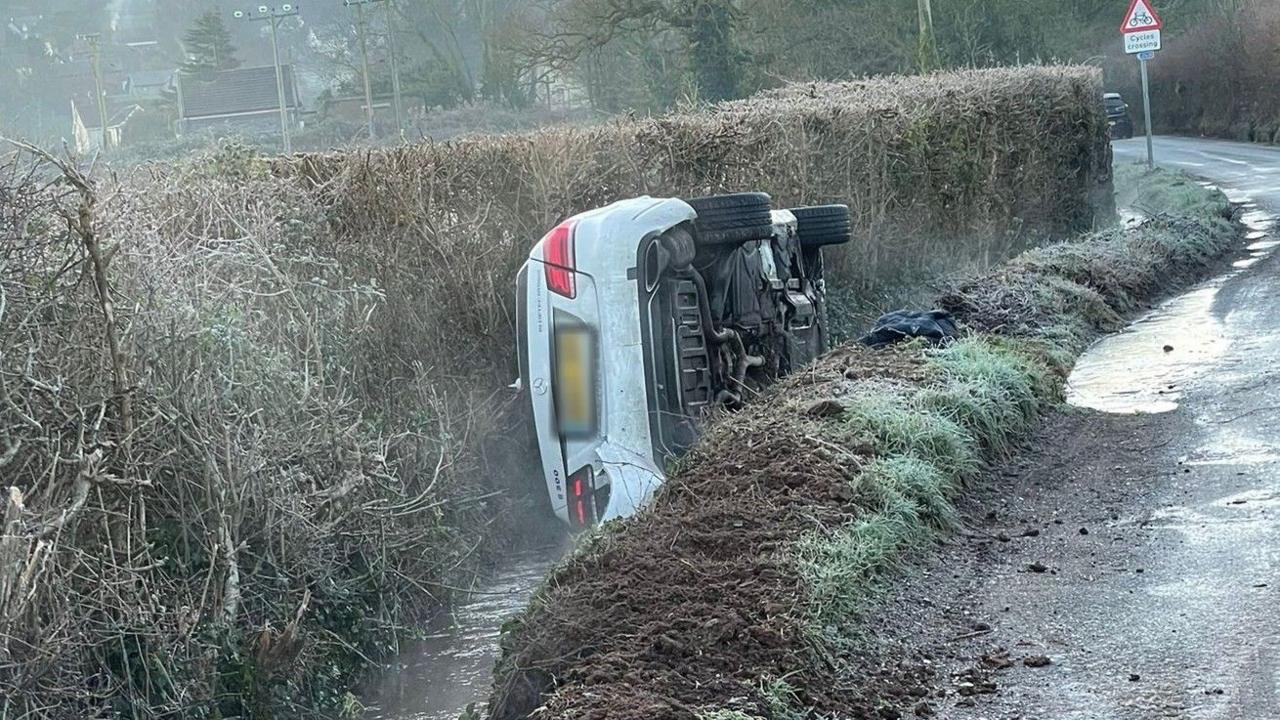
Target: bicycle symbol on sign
x=1140, y=18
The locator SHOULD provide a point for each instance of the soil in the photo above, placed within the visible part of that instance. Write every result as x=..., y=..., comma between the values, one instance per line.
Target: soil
x=693, y=601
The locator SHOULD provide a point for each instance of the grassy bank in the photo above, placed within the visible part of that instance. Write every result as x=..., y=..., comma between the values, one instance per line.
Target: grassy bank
x=737, y=594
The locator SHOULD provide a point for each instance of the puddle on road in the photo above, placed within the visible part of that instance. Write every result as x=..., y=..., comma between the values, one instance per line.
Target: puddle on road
x=1131, y=372
x=1234, y=453
x=1230, y=515
x=443, y=673
x=1146, y=367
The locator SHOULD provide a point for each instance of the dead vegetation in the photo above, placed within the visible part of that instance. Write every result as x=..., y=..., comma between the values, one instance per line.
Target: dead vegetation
x=736, y=596
x=203, y=515
x=252, y=409
x=942, y=172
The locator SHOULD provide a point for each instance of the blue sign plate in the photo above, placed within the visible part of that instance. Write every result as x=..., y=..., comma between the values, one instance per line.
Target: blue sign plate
x=1147, y=55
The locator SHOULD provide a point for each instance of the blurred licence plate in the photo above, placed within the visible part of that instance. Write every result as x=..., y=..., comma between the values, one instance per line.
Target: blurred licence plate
x=575, y=383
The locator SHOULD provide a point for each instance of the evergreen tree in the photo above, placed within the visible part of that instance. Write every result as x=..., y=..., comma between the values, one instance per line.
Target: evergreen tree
x=208, y=46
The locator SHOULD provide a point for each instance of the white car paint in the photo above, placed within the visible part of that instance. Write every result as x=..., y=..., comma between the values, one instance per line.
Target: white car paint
x=606, y=243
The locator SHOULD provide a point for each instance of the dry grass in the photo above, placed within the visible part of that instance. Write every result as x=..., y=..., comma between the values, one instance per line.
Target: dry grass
x=206, y=515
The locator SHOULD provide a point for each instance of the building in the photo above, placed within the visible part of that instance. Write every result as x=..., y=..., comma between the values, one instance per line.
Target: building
x=351, y=110
x=87, y=128
x=149, y=84
x=244, y=100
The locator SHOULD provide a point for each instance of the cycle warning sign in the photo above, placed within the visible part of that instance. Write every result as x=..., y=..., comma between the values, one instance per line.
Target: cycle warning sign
x=1140, y=18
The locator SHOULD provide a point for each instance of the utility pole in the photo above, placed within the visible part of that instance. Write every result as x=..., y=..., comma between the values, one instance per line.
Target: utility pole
x=395, y=67
x=274, y=17
x=362, y=30
x=928, y=50
x=95, y=58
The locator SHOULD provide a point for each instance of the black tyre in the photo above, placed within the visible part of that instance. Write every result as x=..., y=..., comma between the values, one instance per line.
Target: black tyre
x=732, y=219
x=821, y=225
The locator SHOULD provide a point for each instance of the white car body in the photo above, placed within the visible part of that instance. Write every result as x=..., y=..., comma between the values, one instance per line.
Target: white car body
x=625, y=346
x=624, y=472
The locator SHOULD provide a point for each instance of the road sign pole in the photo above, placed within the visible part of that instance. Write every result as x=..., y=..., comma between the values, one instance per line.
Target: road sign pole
x=1146, y=112
x=1141, y=32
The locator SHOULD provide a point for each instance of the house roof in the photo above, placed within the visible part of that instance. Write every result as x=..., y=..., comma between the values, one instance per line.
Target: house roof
x=118, y=112
x=235, y=92
x=149, y=78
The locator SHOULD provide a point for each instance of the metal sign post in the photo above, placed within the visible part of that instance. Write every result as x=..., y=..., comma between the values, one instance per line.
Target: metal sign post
x=1141, y=30
x=1146, y=105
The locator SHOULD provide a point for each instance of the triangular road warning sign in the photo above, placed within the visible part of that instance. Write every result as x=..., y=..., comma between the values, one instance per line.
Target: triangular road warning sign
x=1141, y=16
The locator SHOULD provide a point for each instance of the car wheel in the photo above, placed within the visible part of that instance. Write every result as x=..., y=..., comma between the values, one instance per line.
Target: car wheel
x=732, y=219
x=821, y=225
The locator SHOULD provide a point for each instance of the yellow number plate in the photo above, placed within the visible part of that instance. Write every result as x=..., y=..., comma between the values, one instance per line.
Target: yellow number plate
x=575, y=384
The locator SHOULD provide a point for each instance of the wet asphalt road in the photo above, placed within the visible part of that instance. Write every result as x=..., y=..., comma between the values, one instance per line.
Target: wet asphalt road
x=1137, y=548
x=1242, y=168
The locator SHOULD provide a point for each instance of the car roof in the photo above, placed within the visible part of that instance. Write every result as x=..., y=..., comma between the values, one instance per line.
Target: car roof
x=1110, y=96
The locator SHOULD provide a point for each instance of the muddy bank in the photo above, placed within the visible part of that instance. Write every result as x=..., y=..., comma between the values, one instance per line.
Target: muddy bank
x=738, y=593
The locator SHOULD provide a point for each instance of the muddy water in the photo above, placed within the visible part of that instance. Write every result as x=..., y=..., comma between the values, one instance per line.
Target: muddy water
x=1148, y=366
x=437, y=677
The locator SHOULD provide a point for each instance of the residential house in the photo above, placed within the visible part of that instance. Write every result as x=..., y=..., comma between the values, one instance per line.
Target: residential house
x=244, y=100
x=89, y=130
x=149, y=84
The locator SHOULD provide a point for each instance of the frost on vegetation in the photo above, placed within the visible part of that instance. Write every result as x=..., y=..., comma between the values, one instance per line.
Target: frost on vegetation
x=1159, y=191
x=990, y=390
x=779, y=699
x=242, y=439
x=898, y=425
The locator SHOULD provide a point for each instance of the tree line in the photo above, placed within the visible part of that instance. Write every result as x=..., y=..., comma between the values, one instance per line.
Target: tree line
x=615, y=55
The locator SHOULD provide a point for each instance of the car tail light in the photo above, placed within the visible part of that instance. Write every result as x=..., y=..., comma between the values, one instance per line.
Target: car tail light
x=582, y=511
x=558, y=259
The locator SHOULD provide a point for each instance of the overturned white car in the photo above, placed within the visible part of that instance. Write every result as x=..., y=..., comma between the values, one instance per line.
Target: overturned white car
x=635, y=320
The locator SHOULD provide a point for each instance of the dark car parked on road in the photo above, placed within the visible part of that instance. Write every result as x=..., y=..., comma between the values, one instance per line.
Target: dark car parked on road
x=1118, y=116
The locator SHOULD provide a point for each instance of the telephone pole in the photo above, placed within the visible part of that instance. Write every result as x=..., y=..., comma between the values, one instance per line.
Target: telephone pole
x=362, y=30
x=395, y=67
x=928, y=45
x=95, y=59
x=275, y=16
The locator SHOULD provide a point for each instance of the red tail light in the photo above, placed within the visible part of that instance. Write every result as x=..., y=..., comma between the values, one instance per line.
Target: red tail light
x=581, y=491
x=557, y=258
